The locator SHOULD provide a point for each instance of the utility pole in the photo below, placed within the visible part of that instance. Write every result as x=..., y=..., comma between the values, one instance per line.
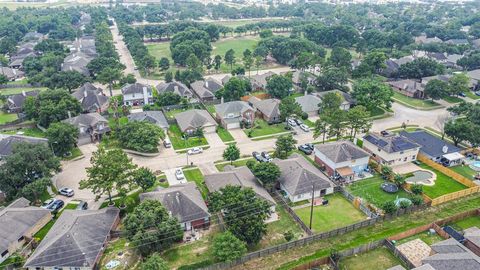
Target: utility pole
x=311, y=206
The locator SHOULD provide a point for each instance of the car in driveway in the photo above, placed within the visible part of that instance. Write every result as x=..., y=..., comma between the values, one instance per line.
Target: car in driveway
x=298, y=121
x=462, y=94
x=68, y=192
x=82, y=205
x=477, y=93
x=258, y=156
x=304, y=128
x=266, y=156
x=46, y=204
x=305, y=149
x=194, y=151
x=56, y=205
x=179, y=174
x=291, y=122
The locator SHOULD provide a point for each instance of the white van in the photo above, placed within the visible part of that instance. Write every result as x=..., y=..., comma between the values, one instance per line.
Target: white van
x=167, y=143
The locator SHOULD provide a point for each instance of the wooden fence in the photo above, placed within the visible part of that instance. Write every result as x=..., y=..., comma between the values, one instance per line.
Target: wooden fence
x=456, y=176
x=355, y=201
x=280, y=200
x=455, y=195
x=399, y=254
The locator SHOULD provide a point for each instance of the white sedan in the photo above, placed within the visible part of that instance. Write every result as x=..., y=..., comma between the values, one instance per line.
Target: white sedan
x=194, y=151
x=304, y=128
x=179, y=174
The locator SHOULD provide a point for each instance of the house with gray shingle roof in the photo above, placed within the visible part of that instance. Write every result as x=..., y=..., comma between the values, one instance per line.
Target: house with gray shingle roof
x=347, y=100
x=409, y=88
x=341, y=159
x=176, y=88
x=91, y=98
x=154, y=117
x=298, y=177
x=231, y=114
x=241, y=176
x=11, y=73
x=184, y=202
x=191, y=120
x=19, y=222
x=137, y=94
x=8, y=141
x=472, y=242
x=77, y=61
x=259, y=81
x=268, y=109
x=206, y=89
x=15, y=102
x=390, y=149
x=76, y=240
x=91, y=126
x=309, y=104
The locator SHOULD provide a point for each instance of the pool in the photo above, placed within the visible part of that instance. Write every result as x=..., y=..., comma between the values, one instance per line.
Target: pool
x=475, y=166
x=421, y=177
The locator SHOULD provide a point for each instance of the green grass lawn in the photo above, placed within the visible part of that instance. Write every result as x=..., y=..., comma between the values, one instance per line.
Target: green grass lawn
x=309, y=123
x=370, y=190
x=415, y=102
x=379, y=258
x=195, y=175
x=13, y=91
x=425, y=236
x=43, y=231
x=7, y=117
x=131, y=201
x=443, y=184
x=211, y=109
x=452, y=99
x=473, y=221
x=179, y=143
x=338, y=213
x=472, y=95
x=76, y=152
x=159, y=50
x=224, y=135
x=262, y=128
x=237, y=163
x=32, y=132
x=377, y=112
x=465, y=171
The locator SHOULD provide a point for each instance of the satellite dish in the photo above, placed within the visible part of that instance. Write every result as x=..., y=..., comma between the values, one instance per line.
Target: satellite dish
x=445, y=149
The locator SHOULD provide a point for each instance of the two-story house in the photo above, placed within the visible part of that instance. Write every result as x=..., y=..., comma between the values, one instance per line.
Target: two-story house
x=390, y=149
x=231, y=114
x=137, y=94
x=91, y=127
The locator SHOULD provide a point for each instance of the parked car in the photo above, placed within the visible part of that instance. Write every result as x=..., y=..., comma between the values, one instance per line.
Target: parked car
x=46, y=204
x=179, y=174
x=66, y=192
x=291, y=122
x=194, y=151
x=298, y=121
x=462, y=94
x=310, y=145
x=305, y=149
x=304, y=128
x=384, y=132
x=167, y=143
x=257, y=156
x=82, y=205
x=266, y=156
x=56, y=205
x=477, y=93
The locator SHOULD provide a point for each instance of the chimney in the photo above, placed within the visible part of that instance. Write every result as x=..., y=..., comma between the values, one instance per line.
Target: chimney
x=85, y=93
x=175, y=88
x=206, y=84
x=23, y=93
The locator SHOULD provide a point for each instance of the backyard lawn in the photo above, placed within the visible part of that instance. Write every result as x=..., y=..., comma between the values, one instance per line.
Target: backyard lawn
x=472, y=95
x=370, y=190
x=237, y=163
x=425, y=236
x=379, y=258
x=32, y=132
x=451, y=99
x=13, y=91
x=415, y=102
x=465, y=171
x=195, y=175
x=338, y=213
x=224, y=135
x=443, y=184
x=7, y=117
x=178, y=142
x=262, y=128
x=467, y=223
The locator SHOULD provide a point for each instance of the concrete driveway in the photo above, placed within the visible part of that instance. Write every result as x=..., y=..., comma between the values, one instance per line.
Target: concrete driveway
x=239, y=135
x=214, y=140
x=172, y=179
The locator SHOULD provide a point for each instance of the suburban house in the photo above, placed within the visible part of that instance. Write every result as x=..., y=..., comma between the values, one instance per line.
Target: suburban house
x=176, y=88
x=8, y=141
x=154, y=117
x=191, y=120
x=77, y=61
x=347, y=100
x=457, y=41
x=241, y=176
x=184, y=202
x=77, y=240
x=33, y=36
x=474, y=76
x=231, y=114
x=205, y=90
x=390, y=149
x=268, y=109
x=392, y=65
x=91, y=98
x=137, y=94
x=298, y=75
x=342, y=159
x=435, y=148
x=423, y=39
x=298, y=177
x=92, y=127
x=11, y=73
x=259, y=81
x=409, y=88
x=309, y=104
x=25, y=50
x=19, y=222
x=15, y=102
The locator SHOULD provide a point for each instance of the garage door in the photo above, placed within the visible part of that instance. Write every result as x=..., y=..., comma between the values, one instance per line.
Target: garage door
x=233, y=125
x=211, y=129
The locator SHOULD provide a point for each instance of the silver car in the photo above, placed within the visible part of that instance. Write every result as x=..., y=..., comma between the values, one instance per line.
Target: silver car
x=304, y=128
x=179, y=174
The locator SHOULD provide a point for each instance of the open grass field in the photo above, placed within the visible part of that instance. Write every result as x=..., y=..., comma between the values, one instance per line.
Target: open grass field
x=338, y=213
x=443, y=184
x=179, y=143
x=415, y=102
x=379, y=258
x=159, y=50
x=195, y=175
x=262, y=128
x=224, y=135
x=369, y=189
x=465, y=171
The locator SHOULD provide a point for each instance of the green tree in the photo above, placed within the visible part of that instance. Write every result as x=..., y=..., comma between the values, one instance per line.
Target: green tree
x=3, y=79
x=62, y=138
x=258, y=62
x=168, y=76
x=399, y=179
x=168, y=98
x=332, y=78
x=358, y=120
x=417, y=189
x=217, y=62
x=230, y=58
x=371, y=94
x=268, y=173
x=320, y=129
x=330, y=104
x=285, y=144
x=279, y=86
x=436, y=89
x=109, y=76
x=234, y=89
x=373, y=63
x=154, y=262
x=140, y=136
x=340, y=57
x=458, y=83
x=420, y=67
x=110, y=170
x=289, y=107
x=387, y=172
x=389, y=207
x=248, y=60
x=144, y=178
x=244, y=212
x=150, y=228
x=226, y=247
x=231, y=153
x=458, y=130
x=32, y=191
x=164, y=64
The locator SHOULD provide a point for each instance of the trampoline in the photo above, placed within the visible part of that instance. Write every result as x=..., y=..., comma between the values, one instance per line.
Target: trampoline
x=389, y=187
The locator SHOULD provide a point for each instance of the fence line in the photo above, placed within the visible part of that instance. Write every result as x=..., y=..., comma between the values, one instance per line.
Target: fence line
x=455, y=195
x=280, y=200
x=355, y=201
x=456, y=176
x=398, y=254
